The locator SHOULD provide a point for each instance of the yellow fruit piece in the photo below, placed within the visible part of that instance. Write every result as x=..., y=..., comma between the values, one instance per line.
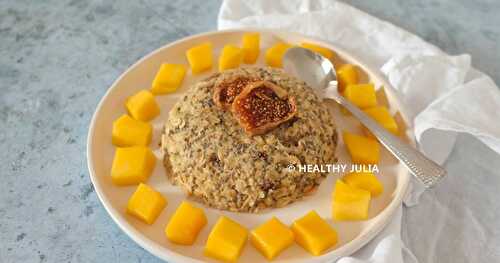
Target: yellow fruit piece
x=200, y=57
x=347, y=74
x=251, y=47
x=146, y=204
x=231, y=57
x=132, y=165
x=350, y=203
x=226, y=240
x=274, y=55
x=381, y=115
x=314, y=234
x=325, y=52
x=168, y=79
x=363, y=150
x=366, y=181
x=131, y=132
x=361, y=95
x=142, y=106
x=185, y=224
x=271, y=238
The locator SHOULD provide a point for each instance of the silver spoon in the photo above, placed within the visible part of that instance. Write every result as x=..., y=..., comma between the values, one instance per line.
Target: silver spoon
x=320, y=74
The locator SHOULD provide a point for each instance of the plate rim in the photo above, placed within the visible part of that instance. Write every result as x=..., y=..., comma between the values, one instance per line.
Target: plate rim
x=164, y=253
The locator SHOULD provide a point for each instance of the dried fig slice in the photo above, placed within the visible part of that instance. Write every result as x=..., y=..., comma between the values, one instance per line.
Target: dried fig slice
x=261, y=106
x=226, y=89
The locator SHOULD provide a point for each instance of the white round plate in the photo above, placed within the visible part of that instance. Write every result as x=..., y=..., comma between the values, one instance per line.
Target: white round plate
x=100, y=152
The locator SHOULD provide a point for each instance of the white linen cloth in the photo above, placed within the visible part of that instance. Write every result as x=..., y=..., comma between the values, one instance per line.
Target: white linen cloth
x=444, y=94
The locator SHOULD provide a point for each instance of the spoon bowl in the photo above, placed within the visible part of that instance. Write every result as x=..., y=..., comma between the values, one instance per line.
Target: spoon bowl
x=317, y=71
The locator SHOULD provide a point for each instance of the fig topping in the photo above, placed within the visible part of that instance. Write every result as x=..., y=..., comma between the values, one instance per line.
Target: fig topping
x=228, y=88
x=261, y=106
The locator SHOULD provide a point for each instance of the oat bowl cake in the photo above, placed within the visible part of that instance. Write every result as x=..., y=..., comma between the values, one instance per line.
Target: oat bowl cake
x=215, y=160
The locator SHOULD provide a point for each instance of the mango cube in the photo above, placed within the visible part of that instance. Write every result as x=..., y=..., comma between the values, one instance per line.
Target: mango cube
x=271, y=238
x=231, y=57
x=347, y=74
x=364, y=180
x=363, y=150
x=200, y=57
x=314, y=234
x=382, y=116
x=251, y=47
x=168, y=79
x=146, y=204
x=361, y=95
x=132, y=165
x=131, y=132
x=274, y=55
x=350, y=203
x=226, y=240
x=325, y=52
x=185, y=224
x=142, y=106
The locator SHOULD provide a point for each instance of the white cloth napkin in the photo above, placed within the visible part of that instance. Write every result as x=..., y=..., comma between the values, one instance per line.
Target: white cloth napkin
x=443, y=93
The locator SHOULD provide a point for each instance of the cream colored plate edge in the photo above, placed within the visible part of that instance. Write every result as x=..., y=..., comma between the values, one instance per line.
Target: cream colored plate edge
x=353, y=235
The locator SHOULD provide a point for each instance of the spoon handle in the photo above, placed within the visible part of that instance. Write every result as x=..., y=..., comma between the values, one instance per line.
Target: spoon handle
x=427, y=171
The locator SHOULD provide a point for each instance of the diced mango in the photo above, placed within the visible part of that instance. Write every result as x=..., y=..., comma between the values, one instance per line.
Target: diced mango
x=325, y=52
x=200, y=57
x=350, y=203
x=146, y=204
x=132, y=165
x=131, y=132
x=363, y=150
x=314, y=234
x=274, y=55
x=231, y=57
x=271, y=238
x=251, y=47
x=364, y=180
x=185, y=224
x=142, y=106
x=347, y=74
x=226, y=240
x=381, y=115
x=168, y=79
x=361, y=95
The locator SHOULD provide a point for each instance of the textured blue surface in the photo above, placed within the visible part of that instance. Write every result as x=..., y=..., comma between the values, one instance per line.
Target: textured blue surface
x=58, y=57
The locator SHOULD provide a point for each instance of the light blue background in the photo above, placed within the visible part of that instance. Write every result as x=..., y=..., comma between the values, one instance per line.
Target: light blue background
x=58, y=57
